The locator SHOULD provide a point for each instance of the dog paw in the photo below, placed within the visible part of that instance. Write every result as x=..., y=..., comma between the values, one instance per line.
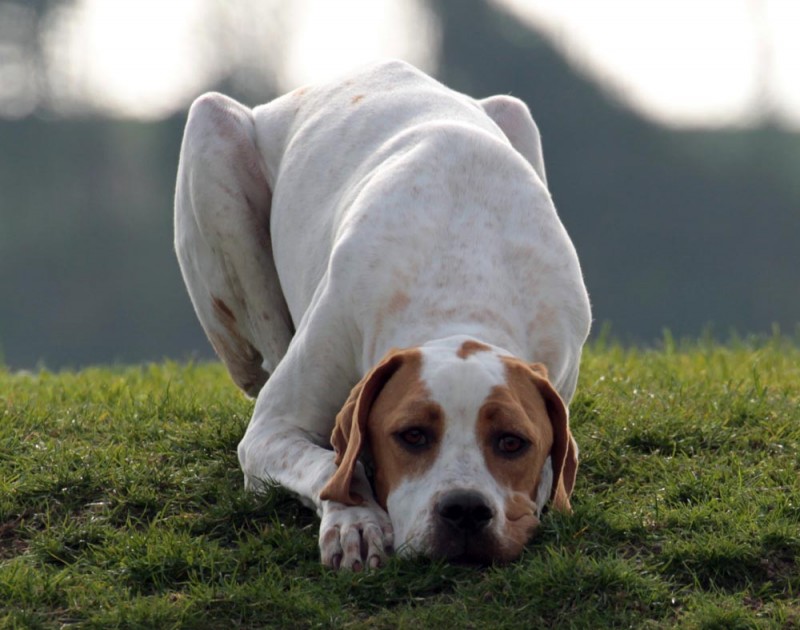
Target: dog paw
x=354, y=538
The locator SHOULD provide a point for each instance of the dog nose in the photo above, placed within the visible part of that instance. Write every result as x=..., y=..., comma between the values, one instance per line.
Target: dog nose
x=465, y=511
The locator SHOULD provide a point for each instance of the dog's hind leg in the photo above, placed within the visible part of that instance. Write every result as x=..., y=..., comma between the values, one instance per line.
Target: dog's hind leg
x=222, y=239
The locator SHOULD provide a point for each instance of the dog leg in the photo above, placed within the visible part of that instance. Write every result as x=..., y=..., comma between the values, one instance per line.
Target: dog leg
x=222, y=239
x=286, y=444
x=350, y=537
x=288, y=439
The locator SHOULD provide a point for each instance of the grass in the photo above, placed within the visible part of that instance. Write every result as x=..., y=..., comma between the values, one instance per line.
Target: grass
x=121, y=505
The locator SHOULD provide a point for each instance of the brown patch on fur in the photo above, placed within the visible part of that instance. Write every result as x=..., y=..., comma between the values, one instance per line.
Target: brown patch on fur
x=395, y=378
x=404, y=403
x=357, y=98
x=398, y=302
x=516, y=408
x=470, y=347
x=523, y=379
x=222, y=310
x=540, y=369
x=545, y=316
x=547, y=346
x=521, y=522
x=242, y=359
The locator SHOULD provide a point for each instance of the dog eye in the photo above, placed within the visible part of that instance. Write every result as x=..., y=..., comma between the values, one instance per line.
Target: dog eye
x=414, y=438
x=510, y=444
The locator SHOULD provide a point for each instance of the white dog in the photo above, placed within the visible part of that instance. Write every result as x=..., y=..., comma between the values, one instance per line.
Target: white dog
x=386, y=248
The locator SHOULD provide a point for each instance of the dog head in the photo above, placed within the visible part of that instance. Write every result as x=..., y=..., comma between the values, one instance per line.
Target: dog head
x=467, y=445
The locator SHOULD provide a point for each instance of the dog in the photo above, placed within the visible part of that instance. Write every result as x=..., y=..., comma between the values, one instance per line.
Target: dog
x=378, y=261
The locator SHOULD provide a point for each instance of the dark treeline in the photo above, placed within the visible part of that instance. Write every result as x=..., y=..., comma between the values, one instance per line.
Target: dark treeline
x=675, y=229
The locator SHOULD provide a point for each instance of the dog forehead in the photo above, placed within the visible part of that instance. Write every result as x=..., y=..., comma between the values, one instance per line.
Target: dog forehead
x=460, y=377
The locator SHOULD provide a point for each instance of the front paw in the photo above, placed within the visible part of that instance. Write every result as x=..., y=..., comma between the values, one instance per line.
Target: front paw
x=354, y=537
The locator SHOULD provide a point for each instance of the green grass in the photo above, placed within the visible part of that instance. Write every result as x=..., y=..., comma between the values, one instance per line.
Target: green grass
x=121, y=505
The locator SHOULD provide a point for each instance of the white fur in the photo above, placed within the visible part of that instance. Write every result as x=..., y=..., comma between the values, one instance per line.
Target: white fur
x=382, y=210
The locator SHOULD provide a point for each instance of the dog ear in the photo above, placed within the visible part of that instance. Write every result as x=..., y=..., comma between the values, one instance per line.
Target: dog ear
x=564, y=452
x=350, y=431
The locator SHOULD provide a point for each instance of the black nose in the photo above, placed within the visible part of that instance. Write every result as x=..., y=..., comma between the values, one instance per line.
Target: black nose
x=464, y=510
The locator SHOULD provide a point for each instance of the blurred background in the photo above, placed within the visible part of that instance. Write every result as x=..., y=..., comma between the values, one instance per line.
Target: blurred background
x=671, y=135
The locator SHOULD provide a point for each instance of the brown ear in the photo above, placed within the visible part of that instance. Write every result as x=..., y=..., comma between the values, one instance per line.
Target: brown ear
x=349, y=433
x=564, y=453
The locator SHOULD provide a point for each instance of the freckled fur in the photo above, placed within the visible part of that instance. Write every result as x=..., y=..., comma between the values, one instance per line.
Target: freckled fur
x=376, y=212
